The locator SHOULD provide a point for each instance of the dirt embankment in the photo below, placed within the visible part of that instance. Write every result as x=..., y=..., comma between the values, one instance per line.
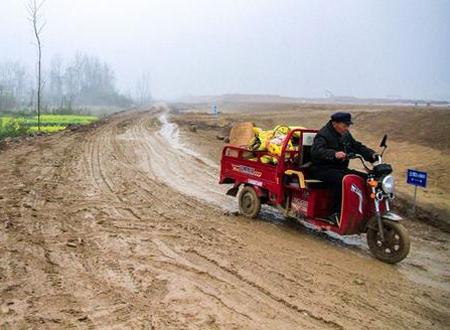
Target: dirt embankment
x=105, y=227
x=418, y=138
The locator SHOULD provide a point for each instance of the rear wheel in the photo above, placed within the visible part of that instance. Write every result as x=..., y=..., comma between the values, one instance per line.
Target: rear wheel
x=249, y=202
x=395, y=246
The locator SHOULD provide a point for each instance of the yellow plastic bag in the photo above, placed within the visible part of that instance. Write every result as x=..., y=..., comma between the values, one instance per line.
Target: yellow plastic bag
x=272, y=141
x=260, y=140
x=267, y=159
x=282, y=129
x=277, y=141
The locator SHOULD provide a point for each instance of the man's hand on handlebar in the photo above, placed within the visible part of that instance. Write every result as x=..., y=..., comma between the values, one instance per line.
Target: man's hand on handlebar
x=340, y=155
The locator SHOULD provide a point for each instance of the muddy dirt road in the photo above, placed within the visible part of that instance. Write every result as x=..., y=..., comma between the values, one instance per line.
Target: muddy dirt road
x=122, y=226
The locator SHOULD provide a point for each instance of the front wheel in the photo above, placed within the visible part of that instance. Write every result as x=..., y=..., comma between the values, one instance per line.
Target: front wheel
x=395, y=246
x=249, y=202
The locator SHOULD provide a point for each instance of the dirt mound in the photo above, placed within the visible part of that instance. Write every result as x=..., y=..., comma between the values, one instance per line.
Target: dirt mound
x=422, y=126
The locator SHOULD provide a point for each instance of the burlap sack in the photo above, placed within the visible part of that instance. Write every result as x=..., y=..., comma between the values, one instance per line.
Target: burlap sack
x=241, y=134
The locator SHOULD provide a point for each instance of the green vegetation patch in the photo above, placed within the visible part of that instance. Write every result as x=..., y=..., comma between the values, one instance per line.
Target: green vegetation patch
x=16, y=126
x=62, y=120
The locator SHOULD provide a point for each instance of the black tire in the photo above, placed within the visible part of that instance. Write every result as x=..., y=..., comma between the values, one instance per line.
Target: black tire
x=249, y=202
x=396, y=246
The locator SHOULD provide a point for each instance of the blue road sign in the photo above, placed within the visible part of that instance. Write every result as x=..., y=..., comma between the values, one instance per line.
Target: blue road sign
x=417, y=178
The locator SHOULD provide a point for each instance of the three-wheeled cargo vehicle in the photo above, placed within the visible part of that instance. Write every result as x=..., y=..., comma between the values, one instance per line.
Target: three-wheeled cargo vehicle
x=287, y=186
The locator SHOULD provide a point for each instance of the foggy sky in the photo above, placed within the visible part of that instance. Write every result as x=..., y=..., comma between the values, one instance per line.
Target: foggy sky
x=293, y=48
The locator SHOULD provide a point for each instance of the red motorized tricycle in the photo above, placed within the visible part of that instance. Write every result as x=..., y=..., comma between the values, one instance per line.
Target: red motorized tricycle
x=287, y=186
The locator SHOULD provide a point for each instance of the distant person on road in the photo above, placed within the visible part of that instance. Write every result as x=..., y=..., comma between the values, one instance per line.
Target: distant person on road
x=329, y=155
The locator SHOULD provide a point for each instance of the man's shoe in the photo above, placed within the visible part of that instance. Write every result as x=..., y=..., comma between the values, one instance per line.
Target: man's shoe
x=334, y=218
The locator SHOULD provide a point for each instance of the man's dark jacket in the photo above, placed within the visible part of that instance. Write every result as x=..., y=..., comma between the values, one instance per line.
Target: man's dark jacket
x=328, y=141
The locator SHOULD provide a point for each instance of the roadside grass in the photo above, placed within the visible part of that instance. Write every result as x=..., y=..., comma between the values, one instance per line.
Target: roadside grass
x=11, y=126
x=61, y=120
x=46, y=129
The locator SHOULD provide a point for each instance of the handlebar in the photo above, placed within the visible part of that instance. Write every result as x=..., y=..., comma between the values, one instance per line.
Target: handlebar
x=352, y=155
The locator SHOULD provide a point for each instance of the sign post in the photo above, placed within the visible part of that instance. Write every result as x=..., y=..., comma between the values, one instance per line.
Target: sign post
x=417, y=179
x=214, y=110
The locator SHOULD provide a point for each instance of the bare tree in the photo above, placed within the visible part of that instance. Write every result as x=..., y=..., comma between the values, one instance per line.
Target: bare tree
x=36, y=19
x=143, y=90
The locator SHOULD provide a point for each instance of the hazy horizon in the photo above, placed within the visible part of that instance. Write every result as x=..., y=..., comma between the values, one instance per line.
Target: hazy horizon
x=368, y=49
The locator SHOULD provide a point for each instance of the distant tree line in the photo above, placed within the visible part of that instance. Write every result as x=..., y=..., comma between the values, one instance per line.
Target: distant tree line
x=16, y=89
x=82, y=81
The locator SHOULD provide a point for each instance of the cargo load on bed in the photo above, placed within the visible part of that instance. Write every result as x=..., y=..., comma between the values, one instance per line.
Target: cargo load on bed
x=246, y=135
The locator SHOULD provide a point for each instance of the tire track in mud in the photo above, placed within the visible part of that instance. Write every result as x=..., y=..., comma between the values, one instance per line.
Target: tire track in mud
x=109, y=273
x=241, y=283
x=45, y=236
x=263, y=290
x=140, y=164
x=173, y=163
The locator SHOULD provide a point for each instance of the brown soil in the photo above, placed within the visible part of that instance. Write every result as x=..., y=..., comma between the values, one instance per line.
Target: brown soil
x=115, y=226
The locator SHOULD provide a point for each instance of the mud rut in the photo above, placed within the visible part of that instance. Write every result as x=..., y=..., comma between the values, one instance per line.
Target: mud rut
x=96, y=235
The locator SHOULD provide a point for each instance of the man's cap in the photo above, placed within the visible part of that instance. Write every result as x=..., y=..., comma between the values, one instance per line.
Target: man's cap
x=342, y=117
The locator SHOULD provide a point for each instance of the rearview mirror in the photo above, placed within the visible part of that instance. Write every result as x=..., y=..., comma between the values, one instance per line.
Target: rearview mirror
x=383, y=141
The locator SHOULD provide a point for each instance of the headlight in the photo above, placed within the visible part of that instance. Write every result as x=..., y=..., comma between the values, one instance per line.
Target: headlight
x=388, y=184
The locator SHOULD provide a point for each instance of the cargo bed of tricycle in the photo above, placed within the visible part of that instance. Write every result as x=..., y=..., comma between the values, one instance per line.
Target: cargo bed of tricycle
x=241, y=166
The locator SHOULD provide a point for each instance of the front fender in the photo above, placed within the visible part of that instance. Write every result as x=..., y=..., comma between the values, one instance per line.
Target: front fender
x=372, y=222
x=391, y=216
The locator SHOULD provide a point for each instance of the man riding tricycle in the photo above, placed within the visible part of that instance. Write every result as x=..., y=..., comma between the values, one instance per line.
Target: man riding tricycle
x=309, y=181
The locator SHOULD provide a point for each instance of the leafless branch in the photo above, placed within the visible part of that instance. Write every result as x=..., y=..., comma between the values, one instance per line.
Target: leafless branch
x=34, y=9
